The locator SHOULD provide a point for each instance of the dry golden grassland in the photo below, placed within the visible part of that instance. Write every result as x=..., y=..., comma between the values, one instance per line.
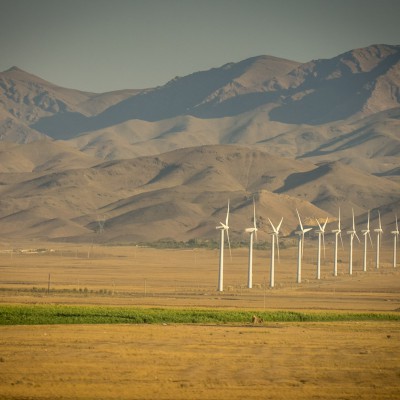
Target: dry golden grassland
x=307, y=360
x=188, y=278
x=344, y=360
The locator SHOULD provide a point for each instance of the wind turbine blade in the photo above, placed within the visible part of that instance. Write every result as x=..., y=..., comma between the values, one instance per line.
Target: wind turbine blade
x=298, y=215
x=380, y=225
x=254, y=214
x=339, y=221
x=279, y=226
x=229, y=244
x=272, y=225
x=354, y=224
x=368, y=222
x=397, y=225
x=277, y=247
x=227, y=215
x=319, y=225
x=255, y=221
x=370, y=239
x=355, y=233
x=341, y=239
x=324, y=226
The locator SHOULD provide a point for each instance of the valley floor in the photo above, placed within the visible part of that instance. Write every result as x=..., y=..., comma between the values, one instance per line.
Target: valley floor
x=307, y=360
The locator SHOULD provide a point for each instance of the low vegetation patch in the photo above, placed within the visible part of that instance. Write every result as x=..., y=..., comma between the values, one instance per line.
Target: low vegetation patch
x=169, y=243
x=62, y=314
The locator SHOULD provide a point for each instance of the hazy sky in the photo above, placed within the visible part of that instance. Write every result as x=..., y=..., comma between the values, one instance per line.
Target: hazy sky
x=102, y=45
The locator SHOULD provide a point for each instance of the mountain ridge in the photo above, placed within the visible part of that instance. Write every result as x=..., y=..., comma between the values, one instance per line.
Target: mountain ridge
x=356, y=83
x=312, y=136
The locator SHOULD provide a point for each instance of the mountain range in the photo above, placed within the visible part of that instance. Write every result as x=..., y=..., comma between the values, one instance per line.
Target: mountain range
x=162, y=162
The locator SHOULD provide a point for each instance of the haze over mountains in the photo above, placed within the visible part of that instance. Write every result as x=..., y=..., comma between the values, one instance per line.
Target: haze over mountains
x=161, y=162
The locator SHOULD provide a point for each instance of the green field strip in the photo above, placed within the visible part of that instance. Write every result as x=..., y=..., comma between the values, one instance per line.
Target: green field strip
x=62, y=314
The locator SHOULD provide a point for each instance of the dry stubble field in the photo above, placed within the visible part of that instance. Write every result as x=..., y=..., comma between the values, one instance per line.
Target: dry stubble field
x=309, y=360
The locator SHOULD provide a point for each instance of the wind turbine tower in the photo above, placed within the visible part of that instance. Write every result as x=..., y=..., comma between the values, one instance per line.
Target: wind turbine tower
x=395, y=236
x=352, y=233
x=321, y=234
x=300, y=234
x=366, y=232
x=223, y=227
x=337, y=232
x=379, y=232
x=274, y=235
x=253, y=230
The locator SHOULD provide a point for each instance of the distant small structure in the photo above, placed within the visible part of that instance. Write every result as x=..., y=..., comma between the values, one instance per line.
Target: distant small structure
x=300, y=243
x=321, y=234
x=275, y=241
x=395, y=234
x=223, y=227
x=379, y=232
x=101, y=220
x=337, y=232
x=366, y=232
x=352, y=233
x=253, y=230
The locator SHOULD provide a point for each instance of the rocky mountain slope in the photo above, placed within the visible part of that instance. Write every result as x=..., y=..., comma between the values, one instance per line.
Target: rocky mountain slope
x=25, y=99
x=162, y=162
x=183, y=194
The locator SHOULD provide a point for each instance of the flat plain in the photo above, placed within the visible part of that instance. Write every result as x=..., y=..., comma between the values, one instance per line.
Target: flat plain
x=302, y=360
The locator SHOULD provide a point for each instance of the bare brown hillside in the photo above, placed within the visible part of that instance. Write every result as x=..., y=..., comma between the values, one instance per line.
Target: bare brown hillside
x=183, y=195
x=26, y=98
x=40, y=156
x=163, y=162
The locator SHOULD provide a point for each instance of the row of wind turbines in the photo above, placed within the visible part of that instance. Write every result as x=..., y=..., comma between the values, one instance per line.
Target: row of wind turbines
x=224, y=227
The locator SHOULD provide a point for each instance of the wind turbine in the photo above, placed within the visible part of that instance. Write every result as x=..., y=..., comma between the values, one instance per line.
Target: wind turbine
x=337, y=232
x=274, y=234
x=366, y=232
x=395, y=236
x=223, y=227
x=321, y=233
x=379, y=232
x=253, y=230
x=300, y=234
x=352, y=233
